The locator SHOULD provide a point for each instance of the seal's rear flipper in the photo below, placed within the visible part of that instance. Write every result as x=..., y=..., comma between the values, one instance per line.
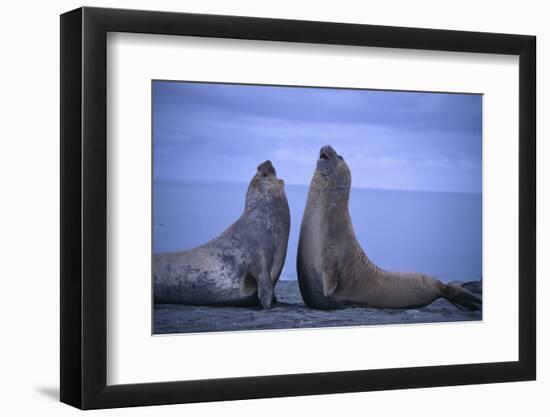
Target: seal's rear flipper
x=462, y=298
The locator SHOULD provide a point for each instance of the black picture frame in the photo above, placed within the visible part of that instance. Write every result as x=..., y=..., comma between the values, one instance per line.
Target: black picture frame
x=84, y=207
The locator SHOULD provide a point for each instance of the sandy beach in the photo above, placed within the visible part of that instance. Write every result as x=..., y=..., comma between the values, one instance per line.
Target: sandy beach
x=290, y=312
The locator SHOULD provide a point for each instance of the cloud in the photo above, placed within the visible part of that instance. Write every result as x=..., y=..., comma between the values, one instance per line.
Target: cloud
x=434, y=140
x=418, y=111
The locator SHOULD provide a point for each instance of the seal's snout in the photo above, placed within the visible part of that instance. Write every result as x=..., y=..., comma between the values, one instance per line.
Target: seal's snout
x=266, y=168
x=326, y=153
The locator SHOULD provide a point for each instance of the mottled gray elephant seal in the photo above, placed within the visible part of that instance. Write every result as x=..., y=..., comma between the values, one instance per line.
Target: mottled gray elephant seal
x=334, y=272
x=242, y=265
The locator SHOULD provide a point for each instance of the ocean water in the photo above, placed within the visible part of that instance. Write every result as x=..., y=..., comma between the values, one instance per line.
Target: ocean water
x=436, y=233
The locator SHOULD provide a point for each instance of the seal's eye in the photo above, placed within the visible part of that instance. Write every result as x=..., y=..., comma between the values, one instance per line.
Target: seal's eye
x=323, y=156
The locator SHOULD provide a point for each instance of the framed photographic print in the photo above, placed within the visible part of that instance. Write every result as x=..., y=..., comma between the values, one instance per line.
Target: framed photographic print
x=258, y=207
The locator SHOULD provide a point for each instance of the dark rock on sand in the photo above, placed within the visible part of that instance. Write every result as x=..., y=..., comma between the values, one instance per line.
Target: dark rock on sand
x=291, y=313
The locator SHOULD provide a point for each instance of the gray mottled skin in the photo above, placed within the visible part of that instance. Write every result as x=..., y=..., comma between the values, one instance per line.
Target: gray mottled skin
x=242, y=265
x=334, y=272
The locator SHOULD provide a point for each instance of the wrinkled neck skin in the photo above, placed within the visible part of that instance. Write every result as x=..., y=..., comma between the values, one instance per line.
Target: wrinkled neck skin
x=266, y=205
x=329, y=194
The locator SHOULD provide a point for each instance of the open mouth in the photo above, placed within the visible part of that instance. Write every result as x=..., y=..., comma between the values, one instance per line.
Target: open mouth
x=324, y=156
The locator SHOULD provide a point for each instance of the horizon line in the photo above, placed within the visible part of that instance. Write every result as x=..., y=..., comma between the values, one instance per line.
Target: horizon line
x=175, y=179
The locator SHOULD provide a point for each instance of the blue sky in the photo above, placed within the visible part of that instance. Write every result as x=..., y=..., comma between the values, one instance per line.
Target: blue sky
x=390, y=140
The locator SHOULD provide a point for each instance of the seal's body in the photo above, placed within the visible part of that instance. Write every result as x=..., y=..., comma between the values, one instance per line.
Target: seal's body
x=242, y=265
x=334, y=272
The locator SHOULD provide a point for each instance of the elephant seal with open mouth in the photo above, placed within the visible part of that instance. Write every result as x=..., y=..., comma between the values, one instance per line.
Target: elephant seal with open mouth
x=242, y=265
x=334, y=272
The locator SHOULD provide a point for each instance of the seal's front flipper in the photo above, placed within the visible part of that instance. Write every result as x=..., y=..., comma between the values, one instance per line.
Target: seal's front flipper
x=330, y=282
x=265, y=290
x=263, y=281
x=329, y=272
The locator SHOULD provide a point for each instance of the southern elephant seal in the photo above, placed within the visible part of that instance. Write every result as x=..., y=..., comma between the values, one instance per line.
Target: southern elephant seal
x=334, y=272
x=242, y=265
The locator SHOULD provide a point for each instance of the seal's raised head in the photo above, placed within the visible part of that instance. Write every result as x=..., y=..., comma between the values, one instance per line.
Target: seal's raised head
x=332, y=169
x=265, y=185
x=266, y=176
x=265, y=169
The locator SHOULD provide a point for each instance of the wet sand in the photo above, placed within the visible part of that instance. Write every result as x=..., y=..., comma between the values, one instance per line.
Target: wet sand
x=290, y=312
